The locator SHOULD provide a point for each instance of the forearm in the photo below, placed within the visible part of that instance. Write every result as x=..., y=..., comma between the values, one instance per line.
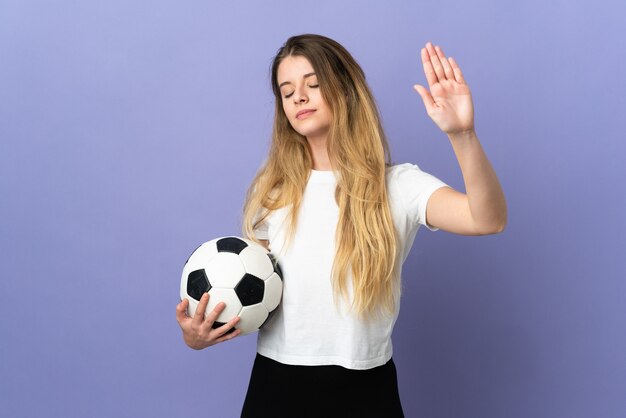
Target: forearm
x=486, y=198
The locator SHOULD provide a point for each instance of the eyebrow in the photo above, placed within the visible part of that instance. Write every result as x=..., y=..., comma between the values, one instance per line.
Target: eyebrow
x=289, y=82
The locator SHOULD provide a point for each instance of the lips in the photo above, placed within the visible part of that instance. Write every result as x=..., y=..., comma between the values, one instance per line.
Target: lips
x=304, y=113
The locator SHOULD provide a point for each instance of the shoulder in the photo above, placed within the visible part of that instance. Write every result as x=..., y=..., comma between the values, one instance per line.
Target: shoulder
x=404, y=172
x=408, y=182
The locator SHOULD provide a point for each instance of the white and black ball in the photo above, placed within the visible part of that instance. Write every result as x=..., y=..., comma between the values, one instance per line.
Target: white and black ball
x=239, y=272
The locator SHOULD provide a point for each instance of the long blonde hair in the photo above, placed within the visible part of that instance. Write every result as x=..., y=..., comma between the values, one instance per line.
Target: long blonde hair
x=365, y=237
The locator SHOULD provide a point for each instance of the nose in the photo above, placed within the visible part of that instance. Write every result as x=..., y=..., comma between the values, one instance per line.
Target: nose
x=300, y=96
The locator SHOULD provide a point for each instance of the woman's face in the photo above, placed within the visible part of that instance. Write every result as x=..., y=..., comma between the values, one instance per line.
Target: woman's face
x=301, y=97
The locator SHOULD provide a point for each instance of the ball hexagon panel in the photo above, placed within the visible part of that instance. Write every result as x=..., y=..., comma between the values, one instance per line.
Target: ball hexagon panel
x=201, y=255
x=269, y=317
x=224, y=270
x=256, y=261
x=229, y=297
x=250, y=290
x=273, y=292
x=251, y=318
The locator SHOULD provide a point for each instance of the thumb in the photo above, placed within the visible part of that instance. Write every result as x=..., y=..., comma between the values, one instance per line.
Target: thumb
x=181, y=309
x=425, y=95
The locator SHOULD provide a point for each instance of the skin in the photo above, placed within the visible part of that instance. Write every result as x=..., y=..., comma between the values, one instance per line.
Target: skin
x=301, y=93
x=481, y=210
x=197, y=331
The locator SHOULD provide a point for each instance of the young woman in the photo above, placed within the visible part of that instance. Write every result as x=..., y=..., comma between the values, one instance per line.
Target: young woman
x=341, y=219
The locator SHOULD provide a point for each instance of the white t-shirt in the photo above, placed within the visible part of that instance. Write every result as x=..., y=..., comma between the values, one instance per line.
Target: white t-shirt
x=307, y=328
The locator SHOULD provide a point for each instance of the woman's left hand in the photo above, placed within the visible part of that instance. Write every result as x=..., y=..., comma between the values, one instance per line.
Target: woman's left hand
x=449, y=101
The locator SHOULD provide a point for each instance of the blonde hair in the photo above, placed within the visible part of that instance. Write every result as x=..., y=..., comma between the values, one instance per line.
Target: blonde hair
x=365, y=237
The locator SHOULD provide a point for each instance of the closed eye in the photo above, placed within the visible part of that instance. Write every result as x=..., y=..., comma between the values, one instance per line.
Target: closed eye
x=312, y=86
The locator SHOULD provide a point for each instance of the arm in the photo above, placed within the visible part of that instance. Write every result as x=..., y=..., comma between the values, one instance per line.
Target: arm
x=483, y=209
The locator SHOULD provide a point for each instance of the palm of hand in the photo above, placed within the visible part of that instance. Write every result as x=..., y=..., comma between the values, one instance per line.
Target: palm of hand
x=449, y=102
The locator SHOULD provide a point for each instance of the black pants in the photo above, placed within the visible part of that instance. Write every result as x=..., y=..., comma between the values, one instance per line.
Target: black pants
x=280, y=390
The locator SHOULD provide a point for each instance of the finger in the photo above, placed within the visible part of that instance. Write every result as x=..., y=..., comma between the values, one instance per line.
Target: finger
x=458, y=75
x=227, y=328
x=447, y=68
x=181, y=310
x=429, y=71
x=212, y=316
x=199, y=315
x=228, y=335
x=225, y=331
x=429, y=103
x=434, y=59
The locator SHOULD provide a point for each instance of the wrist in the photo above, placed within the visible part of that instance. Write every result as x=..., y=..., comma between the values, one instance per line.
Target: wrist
x=464, y=135
x=195, y=344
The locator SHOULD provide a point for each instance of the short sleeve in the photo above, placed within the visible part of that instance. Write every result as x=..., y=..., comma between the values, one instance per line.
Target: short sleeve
x=414, y=189
x=262, y=230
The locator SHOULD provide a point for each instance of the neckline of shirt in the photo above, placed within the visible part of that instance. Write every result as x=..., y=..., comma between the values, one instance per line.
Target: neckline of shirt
x=322, y=176
x=328, y=176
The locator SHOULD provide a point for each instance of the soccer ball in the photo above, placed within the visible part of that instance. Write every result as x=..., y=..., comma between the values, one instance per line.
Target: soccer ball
x=238, y=272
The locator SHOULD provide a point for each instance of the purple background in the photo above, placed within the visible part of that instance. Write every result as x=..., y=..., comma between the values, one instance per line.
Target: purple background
x=130, y=131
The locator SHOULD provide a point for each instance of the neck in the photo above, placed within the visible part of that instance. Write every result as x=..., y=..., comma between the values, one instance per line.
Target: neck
x=319, y=153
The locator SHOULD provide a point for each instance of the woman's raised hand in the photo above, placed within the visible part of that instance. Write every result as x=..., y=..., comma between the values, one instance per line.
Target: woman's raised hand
x=449, y=101
x=198, y=332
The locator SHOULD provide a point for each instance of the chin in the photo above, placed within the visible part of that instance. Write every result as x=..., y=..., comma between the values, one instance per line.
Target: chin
x=312, y=132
